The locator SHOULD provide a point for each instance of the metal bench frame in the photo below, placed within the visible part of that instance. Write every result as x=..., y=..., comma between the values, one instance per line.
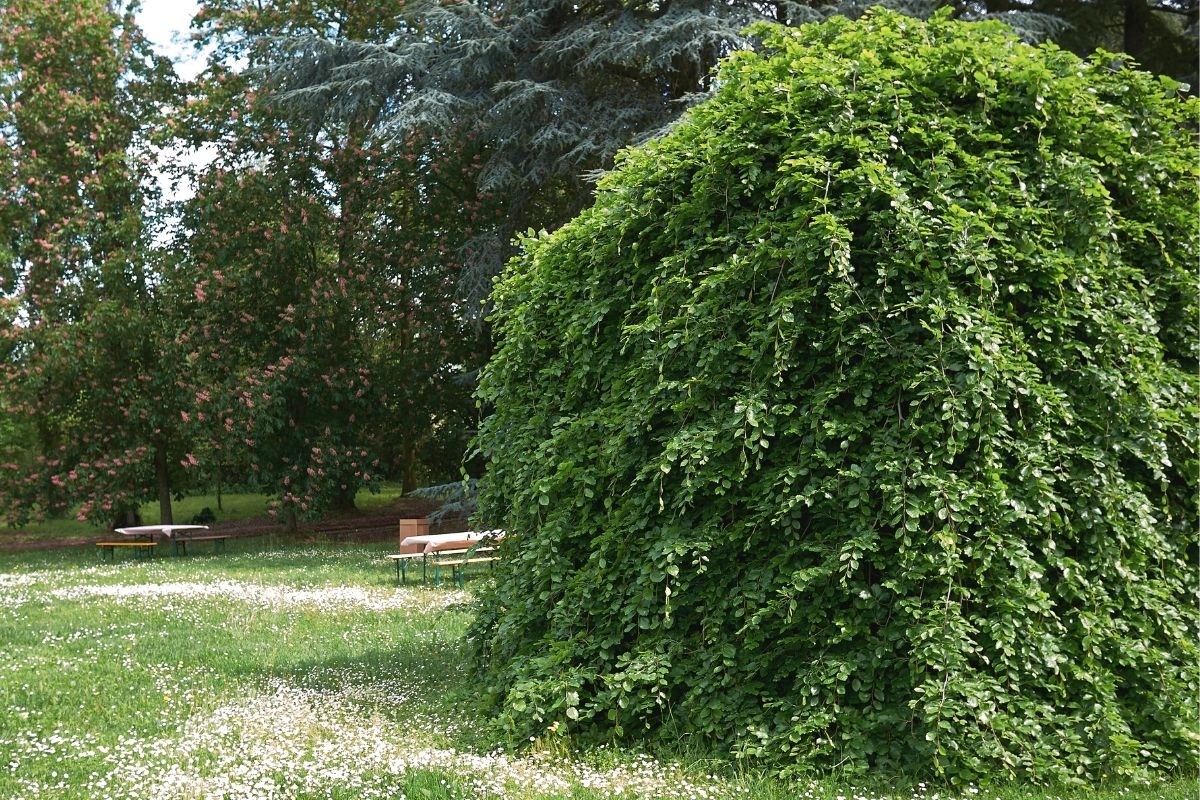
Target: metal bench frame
x=147, y=548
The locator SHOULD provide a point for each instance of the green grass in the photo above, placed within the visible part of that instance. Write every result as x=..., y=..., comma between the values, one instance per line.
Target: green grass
x=235, y=506
x=371, y=502
x=304, y=672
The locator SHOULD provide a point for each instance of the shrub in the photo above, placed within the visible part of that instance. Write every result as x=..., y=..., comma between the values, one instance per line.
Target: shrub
x=854, y=426
x=204, y=517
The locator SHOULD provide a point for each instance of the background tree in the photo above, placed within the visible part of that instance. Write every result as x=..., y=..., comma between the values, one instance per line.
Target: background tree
x=1161, y=36
x=82, y=332
x=323, y=321
x=853, y=426
x=552, y=90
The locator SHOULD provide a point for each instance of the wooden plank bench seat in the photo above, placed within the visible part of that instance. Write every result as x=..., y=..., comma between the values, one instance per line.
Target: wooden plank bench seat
x=456, y=560
x=143, y=547
x=218, y=540
x=458, y=566
x=401, y=560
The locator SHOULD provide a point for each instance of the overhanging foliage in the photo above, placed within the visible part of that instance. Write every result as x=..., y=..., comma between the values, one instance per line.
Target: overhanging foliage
x=854, y=425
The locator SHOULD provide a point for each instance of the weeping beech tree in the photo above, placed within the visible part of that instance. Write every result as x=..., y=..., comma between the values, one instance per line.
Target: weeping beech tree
x=854, y=424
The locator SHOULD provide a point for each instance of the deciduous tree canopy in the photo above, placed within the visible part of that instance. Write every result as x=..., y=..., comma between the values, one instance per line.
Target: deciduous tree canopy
x=83, y=338
x=318, y=275
x=853, y=425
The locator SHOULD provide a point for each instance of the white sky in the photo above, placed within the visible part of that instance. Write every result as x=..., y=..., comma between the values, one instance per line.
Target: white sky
x=165, y=23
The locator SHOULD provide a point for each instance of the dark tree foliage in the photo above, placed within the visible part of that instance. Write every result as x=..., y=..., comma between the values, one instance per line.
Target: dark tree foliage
x=554, y=89
x=318, y=277
x=1160, y=36
x=854, y=426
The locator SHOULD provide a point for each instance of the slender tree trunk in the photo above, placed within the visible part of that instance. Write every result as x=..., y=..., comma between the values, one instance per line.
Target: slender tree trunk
x=410, y=468
x=162, y=480
x=343, y=500
x=291, y=525
x=219, y=506
x=1137, y=25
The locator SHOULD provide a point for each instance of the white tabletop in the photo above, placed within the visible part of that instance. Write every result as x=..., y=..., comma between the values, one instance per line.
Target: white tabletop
x=432, y=540
x=165, y=530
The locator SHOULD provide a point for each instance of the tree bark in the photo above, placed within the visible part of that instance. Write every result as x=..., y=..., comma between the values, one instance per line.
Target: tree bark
x=162, y=480
x=1137, y=27
x=409, y=481
x=343, y=500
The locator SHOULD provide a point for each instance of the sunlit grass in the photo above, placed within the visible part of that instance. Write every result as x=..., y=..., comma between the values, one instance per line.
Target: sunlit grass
x=371, y=502
x=301, y=672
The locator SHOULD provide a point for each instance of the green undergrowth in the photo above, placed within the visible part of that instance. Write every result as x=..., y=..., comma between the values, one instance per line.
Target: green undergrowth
x=301, y=672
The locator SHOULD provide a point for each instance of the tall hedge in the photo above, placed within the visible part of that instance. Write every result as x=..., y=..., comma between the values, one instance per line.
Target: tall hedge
x=855, y=424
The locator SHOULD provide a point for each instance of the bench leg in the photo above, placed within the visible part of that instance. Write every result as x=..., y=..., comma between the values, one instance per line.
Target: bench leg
x=220, y=545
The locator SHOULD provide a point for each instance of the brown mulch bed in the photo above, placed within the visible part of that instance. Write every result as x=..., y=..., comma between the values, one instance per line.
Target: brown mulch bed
x=344, y=528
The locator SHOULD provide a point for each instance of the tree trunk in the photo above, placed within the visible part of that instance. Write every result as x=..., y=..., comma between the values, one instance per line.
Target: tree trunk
x=291, y=525
x=162, y=480
x=409, y=481
x=219, y=506
x=1137, y=26
x=343, y=500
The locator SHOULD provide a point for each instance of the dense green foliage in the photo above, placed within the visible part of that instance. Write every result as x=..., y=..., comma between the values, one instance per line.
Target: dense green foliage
x=853, y=426
x=316, y=276
x=348, y=227
x=85, y=347
x=286, y=324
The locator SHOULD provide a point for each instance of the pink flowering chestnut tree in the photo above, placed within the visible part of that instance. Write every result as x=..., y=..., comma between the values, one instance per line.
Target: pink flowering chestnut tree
x=85, y=366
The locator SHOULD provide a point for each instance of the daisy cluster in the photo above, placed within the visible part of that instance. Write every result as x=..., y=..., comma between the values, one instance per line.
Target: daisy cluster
x=290, y=741
x=15, y=589
x=276, y=598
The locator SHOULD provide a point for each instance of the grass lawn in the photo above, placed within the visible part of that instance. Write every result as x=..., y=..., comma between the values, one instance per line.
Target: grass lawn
x=297, y=673
x=233, y=507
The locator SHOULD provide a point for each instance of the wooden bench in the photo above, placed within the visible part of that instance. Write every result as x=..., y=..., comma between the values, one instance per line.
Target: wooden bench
x=458, y=566
x=456, y=560
x=401, y=560
x=145, y=548
x=217, y=539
